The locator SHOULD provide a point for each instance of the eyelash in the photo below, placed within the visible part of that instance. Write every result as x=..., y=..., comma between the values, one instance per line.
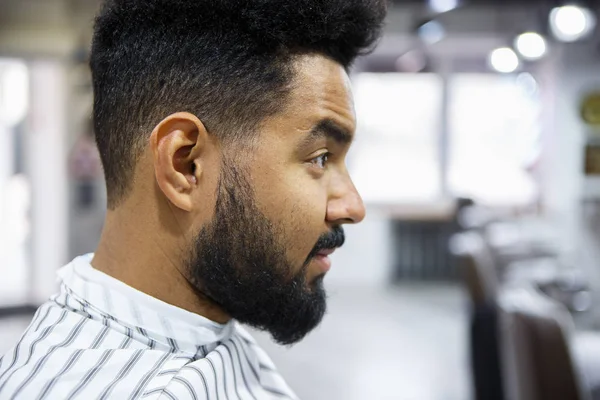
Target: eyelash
x=324, y=157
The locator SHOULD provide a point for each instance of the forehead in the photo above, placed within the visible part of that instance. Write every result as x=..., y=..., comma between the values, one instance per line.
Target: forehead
x=320, y=91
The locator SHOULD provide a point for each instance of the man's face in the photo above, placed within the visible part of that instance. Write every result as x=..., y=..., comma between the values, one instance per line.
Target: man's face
x=279, y=210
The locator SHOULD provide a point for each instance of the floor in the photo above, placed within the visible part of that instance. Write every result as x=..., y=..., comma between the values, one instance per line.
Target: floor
x=401, y=343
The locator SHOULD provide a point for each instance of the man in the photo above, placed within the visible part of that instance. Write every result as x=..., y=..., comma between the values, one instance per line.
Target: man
x=222, y=128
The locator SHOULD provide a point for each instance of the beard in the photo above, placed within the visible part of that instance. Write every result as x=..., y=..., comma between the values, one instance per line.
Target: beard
x=239, y=262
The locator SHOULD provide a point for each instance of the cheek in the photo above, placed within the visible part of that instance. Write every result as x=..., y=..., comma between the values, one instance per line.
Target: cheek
x=307, y=223
x=298, y=208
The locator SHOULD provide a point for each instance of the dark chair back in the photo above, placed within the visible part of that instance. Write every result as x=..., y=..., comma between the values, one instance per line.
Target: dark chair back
x=481, y=282
x=535, y=334
x=478, y=267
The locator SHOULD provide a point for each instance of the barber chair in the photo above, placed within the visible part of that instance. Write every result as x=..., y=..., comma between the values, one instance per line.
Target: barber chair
x=542, y=357
x=482, y=283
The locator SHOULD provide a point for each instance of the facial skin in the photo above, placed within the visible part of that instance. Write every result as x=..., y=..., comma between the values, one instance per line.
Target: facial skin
x=227, y=231
x=240, y=263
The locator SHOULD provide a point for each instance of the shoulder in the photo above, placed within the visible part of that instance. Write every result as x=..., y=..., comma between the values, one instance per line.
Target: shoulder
x=84, y=373
x=63, y=353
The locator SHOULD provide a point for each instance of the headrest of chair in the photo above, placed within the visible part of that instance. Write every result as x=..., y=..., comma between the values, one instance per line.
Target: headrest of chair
x=539, y=330
x=478, y=266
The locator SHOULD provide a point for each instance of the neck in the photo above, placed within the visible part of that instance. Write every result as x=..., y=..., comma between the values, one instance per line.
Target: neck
x=148, y=263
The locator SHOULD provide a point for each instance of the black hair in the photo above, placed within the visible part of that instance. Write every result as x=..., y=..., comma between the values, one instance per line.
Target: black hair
x=229, y=62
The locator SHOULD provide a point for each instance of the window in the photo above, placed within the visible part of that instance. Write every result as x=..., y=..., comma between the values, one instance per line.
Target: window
x=494, y=132
x=395, y=159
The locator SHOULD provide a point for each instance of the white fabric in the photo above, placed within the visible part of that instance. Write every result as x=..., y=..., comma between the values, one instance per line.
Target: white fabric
x=101, y=339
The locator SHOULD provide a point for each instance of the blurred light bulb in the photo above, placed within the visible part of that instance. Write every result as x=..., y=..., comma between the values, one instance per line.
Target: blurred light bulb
x=442, y=6
x=432, y=32
x=571, y=23
x=411, y=61
x=531, y=45
x=504, y=60
x=528, y=83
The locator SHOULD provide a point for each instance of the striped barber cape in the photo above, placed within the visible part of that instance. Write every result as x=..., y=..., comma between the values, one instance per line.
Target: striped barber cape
x=101, y=339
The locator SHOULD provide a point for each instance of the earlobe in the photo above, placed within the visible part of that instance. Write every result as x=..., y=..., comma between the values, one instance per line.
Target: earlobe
x=177, y=144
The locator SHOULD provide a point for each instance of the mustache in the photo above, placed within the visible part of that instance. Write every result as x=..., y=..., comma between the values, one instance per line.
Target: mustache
x=330, y=240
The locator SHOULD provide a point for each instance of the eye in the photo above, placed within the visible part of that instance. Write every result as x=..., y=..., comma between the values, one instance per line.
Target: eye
x=320, y=161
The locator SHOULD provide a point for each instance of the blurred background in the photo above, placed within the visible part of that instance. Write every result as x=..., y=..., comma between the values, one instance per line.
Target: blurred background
x=476, y=274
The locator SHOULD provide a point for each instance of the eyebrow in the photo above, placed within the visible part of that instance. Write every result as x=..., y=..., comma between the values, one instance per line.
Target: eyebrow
x=329, y=129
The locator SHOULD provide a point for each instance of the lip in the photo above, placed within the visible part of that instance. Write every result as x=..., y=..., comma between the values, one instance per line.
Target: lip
x=323, y=263
x=322, y=259
x=325, y=253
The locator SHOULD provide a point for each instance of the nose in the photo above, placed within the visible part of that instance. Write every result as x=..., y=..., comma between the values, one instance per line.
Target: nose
x=345, y=206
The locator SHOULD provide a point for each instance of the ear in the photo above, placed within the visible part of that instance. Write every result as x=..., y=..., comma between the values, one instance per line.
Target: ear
x=178, y=143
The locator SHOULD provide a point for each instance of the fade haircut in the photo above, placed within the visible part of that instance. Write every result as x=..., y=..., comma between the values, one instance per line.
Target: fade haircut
x=229, y=62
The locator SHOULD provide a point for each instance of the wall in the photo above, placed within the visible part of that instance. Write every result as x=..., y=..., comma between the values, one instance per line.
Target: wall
x=575, y=72
x=46, y=167
x=365, y=259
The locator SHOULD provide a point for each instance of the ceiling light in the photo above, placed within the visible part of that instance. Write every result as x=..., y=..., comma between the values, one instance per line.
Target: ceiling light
x=432, y=32
x=528, y=83
x=412, y=61
x=531, y=45
x=571, y=23
x=504, y=60
x=442, y=6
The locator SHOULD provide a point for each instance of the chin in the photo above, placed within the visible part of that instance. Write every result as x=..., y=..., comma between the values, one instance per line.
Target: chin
x=317, y=281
